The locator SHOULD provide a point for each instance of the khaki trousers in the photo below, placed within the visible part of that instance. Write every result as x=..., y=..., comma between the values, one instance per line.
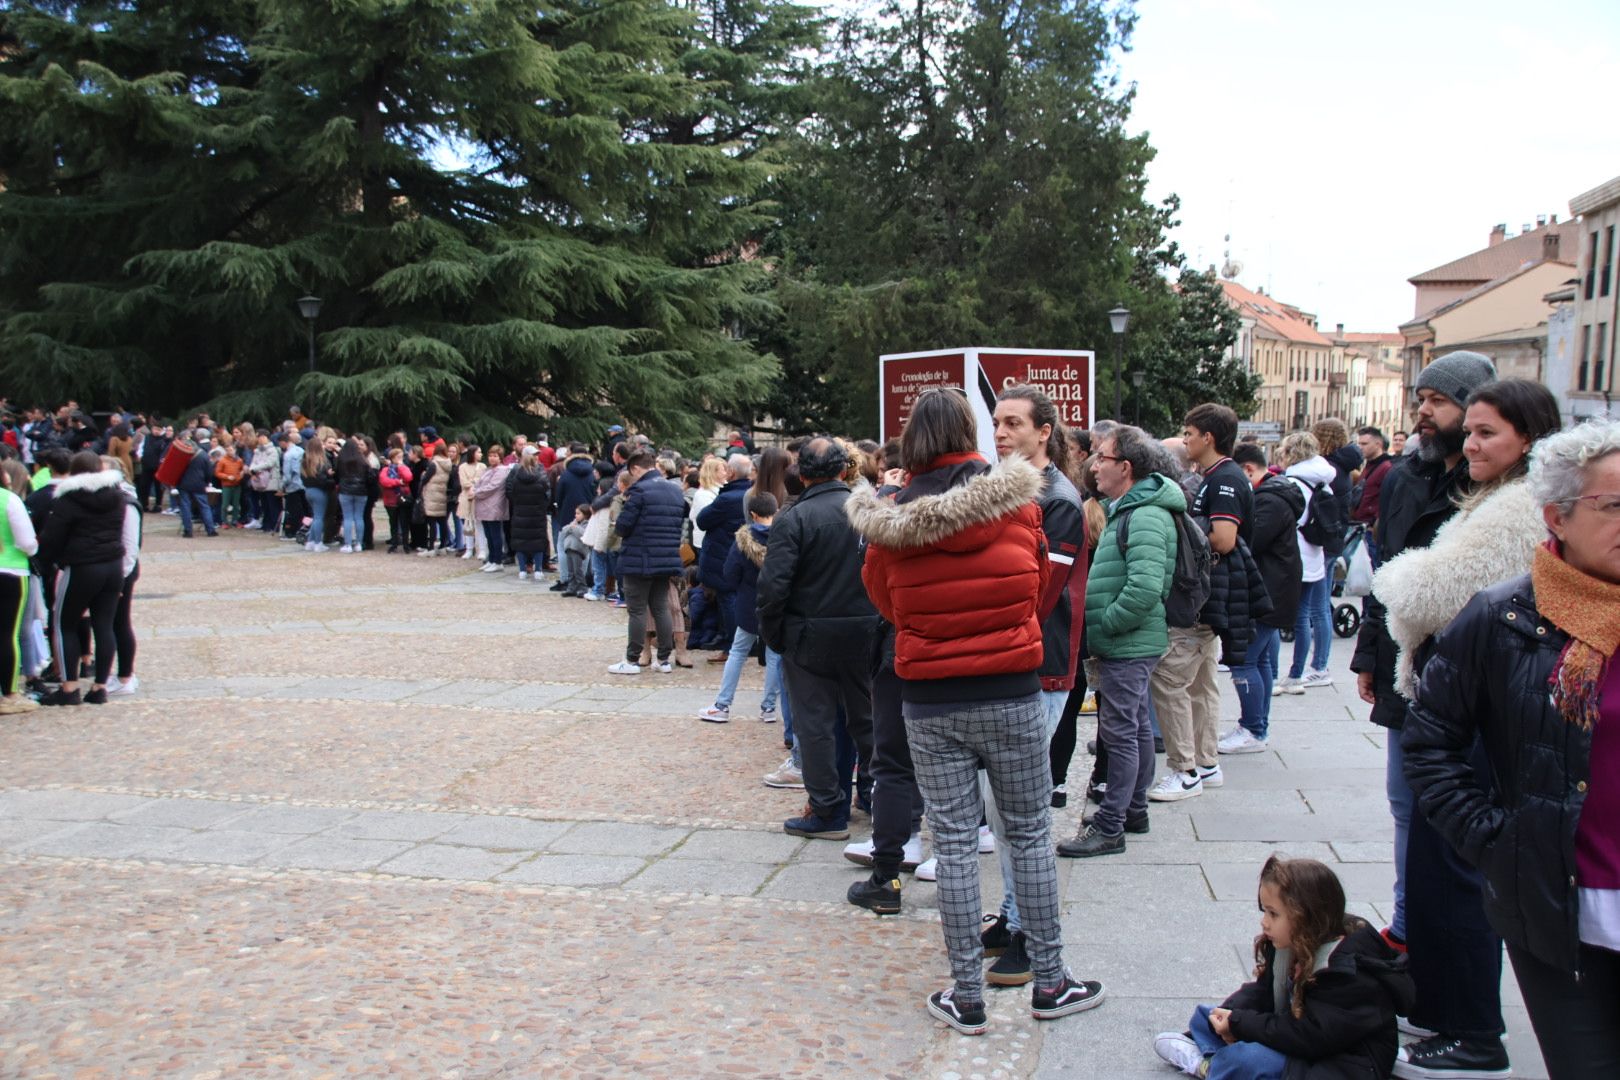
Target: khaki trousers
x=1187, y=699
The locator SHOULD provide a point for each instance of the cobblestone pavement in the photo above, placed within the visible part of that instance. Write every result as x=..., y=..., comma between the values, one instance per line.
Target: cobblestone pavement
x=376, y=814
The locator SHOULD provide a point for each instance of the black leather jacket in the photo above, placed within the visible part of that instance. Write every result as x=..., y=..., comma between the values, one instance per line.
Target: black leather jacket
x=1486, y=679
x=1417, y=499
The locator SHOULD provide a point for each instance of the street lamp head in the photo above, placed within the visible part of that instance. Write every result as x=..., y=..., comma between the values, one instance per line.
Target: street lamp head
x=1138, y=378
x=309, y=307
x=1119, y=318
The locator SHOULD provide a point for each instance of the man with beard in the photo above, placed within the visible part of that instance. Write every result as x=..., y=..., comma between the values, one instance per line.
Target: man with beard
x=1419, y=496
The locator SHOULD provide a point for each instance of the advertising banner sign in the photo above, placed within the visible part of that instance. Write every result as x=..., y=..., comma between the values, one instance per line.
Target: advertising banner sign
x=1067, y=377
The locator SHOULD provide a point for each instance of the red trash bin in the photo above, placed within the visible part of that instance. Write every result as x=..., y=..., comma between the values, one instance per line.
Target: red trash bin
x=175, y=460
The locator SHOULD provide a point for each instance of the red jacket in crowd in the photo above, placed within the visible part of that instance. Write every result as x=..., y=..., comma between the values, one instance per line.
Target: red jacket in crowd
x=957, y=563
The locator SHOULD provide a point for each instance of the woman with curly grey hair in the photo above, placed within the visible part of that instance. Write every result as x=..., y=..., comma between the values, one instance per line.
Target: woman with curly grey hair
x=1524, y=678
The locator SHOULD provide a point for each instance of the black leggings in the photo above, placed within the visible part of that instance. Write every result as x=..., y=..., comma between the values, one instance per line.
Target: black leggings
x=13, y=597
x=93, y=587
x=1574, y=1021
x=123, y=628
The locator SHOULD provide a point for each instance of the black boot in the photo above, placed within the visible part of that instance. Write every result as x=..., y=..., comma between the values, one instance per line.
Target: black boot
x=879, y=893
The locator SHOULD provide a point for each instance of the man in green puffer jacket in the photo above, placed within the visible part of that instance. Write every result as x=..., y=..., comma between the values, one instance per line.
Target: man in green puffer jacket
x=1126, y=630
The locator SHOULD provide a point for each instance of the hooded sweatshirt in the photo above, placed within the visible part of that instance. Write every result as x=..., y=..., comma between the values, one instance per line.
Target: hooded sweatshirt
x=1307, y=474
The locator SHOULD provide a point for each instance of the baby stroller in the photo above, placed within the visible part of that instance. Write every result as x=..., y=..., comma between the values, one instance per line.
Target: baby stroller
x=1352, y=579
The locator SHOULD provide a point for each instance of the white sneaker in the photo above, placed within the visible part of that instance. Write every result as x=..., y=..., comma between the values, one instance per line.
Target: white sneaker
x=665, y=667
x=1212, y=776
x=127, y=686
x=714, y=714
x=346, y=550
x=786, y=776
x=251, y=525
x=523, y=575
x=1240, y=741
x=1286, y=685
x=767, y=716
x=1176, y=1049
x=425, y=553
x=1318, y=678
x=491, y=568
x=987, y=841
x=624, y=667
x=928, y=871
x=320, y=548
x=1173, y=787
x=592, y=596
x=910, y=855
x=309, y=545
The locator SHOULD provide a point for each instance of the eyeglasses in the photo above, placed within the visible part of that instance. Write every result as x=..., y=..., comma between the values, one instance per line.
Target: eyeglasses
x=1107, y=457
x=1607, y=505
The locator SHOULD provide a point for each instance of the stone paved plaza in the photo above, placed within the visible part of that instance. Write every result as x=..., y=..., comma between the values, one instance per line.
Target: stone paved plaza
x=383, y=815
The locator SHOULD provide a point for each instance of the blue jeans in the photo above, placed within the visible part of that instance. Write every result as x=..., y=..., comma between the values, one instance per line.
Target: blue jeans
x=456, y=540
x=527, y=562
x=1253, y=680
x=494, y=541
x=1313, y=621
x=317, y=513
x=206, y=512
x=1399, y=794
x=599, y=574
x=354, y=518
x=1237, y=1061
x=1052, y=702
x=741, y=645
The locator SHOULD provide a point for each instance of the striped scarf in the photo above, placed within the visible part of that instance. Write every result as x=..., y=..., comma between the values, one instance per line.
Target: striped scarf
x=1588, y=610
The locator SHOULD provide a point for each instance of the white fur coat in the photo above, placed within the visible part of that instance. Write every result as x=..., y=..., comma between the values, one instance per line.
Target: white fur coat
x=1424, y=589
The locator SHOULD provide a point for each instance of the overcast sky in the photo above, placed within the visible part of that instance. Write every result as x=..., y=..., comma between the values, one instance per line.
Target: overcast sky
x=1347, y=147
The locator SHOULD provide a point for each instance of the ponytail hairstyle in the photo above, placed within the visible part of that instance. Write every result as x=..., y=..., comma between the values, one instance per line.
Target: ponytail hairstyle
x=1041, y=413
x=1314, y=899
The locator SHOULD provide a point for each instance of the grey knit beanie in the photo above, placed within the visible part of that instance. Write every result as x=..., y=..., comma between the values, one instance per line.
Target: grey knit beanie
x=1457, y=375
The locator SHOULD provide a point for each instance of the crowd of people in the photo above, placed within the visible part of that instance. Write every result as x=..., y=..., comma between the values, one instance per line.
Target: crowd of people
x=932, y=626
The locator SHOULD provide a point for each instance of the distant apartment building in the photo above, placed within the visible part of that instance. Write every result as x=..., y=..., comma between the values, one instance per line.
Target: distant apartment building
x=1375, y=394
x=1592, y=305
x=1492, y=301
x=1282, y=345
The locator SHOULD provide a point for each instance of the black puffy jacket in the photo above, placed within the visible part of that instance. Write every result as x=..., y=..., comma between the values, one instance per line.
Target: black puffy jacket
x=1418, y=497
x=813, y=607
x=650, y=522
x=528, y=495
x=1237, y=601
x=1486, y=678
x=1348, y=1031
x=1278, y=502
x=86, y=522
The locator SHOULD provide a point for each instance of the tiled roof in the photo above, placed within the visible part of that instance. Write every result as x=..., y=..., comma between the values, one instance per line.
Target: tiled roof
x=1373, y=339
x=1280, y=319
x=1490, y=263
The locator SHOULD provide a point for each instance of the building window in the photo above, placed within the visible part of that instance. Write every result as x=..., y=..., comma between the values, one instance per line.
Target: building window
x=1597, y=358
x=1586, y=352
x=1591, y=263
x=1608, y=261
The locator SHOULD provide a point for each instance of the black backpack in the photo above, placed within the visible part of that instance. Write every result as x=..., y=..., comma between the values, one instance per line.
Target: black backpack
x=1189, y=586
x=1326, y=521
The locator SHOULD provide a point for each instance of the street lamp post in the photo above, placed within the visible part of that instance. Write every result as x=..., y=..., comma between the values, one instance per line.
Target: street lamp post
x=1119, y=319
x=310, y=308
x=1137, y=379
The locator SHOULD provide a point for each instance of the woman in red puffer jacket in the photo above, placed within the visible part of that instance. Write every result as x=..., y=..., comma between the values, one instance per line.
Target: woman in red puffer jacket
x=957, y=563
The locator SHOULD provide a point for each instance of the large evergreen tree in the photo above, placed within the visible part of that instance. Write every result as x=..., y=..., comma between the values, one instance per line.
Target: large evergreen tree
x=967, y=179
x=178, y=174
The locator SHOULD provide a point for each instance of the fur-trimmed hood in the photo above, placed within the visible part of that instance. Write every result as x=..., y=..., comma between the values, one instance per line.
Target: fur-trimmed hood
x=95, y=481
x=752, y=544
x=1423, y=589
x=984, y=499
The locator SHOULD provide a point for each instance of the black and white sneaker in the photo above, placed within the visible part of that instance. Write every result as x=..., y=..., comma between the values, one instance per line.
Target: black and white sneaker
x=1447, y=1058
x=995, y=937
x=1067, y=997
x=965, y=1016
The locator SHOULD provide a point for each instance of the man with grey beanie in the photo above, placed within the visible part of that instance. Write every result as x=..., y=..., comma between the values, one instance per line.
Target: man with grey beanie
x=1420, y=495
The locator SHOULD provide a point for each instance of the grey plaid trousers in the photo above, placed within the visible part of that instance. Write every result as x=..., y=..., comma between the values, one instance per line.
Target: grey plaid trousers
x=1007, y=740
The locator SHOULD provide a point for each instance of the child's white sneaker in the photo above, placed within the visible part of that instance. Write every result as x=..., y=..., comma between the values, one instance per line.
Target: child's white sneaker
x=1177, y=1049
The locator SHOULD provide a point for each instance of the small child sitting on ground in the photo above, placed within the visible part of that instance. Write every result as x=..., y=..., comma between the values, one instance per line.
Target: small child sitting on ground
x=1323, y=1002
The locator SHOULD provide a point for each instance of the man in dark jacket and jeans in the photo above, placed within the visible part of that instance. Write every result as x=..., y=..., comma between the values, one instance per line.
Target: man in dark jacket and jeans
x=650, y=523
x=813, y=609
x=1447, y=924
